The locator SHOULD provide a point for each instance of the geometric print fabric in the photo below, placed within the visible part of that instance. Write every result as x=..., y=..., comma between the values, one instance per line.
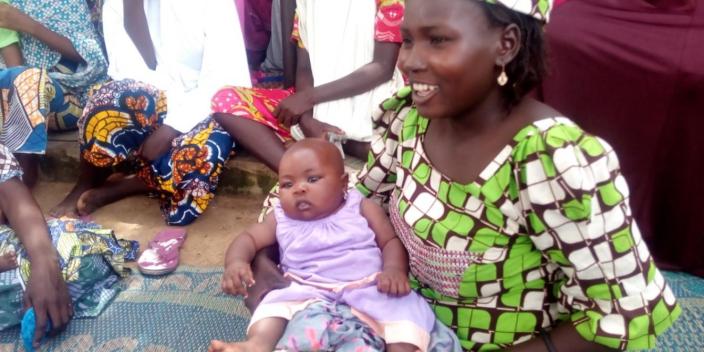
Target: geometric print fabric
x=545, y=233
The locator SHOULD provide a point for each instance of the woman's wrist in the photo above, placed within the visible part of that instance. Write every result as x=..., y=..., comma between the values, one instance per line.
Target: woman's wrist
x=25, y=24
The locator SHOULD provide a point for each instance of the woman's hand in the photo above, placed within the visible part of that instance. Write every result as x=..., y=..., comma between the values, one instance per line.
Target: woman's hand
x=393, y=282
x=48, y=294
x=313, y=128
x=237, y=278
x=290, y=110
x=11, y=17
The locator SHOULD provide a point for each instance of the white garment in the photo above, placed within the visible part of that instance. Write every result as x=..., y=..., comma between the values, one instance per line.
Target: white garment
x=339, y=38
x=199, y=49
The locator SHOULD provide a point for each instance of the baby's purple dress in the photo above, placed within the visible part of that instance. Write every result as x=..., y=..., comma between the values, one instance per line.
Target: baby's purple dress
x=331, y=259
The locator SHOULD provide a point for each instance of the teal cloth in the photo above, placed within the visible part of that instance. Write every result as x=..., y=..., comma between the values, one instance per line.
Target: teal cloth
x=91, y=260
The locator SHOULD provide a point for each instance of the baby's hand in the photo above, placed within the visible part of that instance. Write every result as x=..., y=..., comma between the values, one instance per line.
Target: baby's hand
x=393, y=282
x=237, y=277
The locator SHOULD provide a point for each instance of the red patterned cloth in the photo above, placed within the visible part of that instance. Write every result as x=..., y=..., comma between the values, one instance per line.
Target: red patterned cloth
x=387, y=25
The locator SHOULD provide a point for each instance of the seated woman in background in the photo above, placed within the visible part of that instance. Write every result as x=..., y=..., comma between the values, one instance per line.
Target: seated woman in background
x=67, y=268
x=346, y=62
x=49, y=68
x=160, y=50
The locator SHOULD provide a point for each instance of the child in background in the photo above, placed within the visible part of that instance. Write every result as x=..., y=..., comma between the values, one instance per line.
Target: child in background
x=335, y=246
x=9, y=45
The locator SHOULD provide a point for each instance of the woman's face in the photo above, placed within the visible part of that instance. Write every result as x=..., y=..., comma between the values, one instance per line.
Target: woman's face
x=449, y=55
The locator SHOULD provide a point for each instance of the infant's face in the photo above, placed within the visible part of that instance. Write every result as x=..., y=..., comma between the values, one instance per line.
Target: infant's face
x=310, y=187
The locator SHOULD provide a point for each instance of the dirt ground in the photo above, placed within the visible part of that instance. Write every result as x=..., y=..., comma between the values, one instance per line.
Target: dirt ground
x=138, y=218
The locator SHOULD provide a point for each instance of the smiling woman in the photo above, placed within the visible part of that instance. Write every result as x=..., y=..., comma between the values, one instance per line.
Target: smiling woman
x=517, y=222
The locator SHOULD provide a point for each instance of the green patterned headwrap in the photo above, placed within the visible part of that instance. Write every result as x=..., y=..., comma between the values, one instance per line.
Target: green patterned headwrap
x=540, y=9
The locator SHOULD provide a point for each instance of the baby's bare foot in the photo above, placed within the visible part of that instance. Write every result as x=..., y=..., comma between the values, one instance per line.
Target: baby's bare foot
x=8, y=261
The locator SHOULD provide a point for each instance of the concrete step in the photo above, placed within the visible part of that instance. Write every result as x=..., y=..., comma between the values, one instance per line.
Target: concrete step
x=243, y=173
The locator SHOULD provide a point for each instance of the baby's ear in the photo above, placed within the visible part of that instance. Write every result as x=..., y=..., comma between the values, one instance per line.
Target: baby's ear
x=345, y=178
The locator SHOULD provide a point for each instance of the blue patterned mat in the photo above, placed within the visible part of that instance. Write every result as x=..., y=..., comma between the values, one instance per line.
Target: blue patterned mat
x=185, y=310
x=179, y=312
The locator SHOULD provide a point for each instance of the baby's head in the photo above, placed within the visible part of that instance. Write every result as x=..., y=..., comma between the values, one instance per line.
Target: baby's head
x=312, y=180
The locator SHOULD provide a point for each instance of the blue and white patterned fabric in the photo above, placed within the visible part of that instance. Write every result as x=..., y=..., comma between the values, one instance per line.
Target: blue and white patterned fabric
x=71, y=19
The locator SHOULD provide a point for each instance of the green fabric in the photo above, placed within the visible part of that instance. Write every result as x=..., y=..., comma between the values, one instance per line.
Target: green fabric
x=544, y=233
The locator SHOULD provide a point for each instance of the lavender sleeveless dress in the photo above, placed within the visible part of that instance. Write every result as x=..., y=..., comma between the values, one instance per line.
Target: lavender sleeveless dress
x=336, y=259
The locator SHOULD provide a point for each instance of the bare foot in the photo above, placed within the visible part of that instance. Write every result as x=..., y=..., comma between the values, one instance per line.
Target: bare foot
x=68, y=207
x=8, y=261
x=110, y=192
x=89, y=202
x=245, y=346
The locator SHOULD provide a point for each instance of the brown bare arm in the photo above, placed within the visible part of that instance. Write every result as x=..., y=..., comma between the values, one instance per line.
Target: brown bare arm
x=394, y=276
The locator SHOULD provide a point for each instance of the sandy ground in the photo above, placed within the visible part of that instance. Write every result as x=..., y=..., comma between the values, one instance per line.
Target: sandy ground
x=138, y=218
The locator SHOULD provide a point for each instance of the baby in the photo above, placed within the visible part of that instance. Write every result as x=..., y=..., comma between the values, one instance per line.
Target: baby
x=336, y=246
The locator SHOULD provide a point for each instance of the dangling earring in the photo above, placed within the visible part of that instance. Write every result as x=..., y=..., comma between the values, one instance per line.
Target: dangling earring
x=503, y=78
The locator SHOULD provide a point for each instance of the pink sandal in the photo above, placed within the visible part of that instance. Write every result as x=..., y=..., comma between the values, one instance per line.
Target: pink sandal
x=162, y=256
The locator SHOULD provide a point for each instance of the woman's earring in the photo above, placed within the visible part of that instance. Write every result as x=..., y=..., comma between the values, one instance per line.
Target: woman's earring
x=503, y=78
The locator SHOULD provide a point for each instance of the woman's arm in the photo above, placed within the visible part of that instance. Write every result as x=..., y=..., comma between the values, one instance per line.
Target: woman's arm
x=46, y=291
x=135, y=22
x=14, y=19
x=363, y=79
x=579, y=217
x=288, y=10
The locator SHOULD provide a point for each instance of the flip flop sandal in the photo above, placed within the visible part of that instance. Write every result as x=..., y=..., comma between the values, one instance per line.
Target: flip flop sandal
x=162, y=256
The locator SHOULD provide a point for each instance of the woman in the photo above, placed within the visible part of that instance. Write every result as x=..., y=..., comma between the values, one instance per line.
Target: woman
x=67, y=268
x=61, y=58
x=160, y=50
x=528, y=243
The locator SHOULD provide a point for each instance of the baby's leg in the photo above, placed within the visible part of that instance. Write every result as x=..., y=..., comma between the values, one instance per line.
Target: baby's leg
x=8, y=261
x=262, y=337
x=401, y=347
x=405, y=321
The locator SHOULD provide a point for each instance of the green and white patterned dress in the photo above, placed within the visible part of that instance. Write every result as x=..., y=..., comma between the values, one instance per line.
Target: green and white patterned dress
x=544, y=234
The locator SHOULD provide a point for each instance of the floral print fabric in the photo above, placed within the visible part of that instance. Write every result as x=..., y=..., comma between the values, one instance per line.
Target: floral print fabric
x=119, y=118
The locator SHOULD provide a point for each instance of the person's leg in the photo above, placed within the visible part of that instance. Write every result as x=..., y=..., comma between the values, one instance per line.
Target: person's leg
x=187, y=176
x=117, y=119
x=26, y=100
x=66, y=110
x=247, y=115
x=256, y=138
x=401, y=347
x=262, y=336
x=110, y=192
x=406, y=320
x=30, y=168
